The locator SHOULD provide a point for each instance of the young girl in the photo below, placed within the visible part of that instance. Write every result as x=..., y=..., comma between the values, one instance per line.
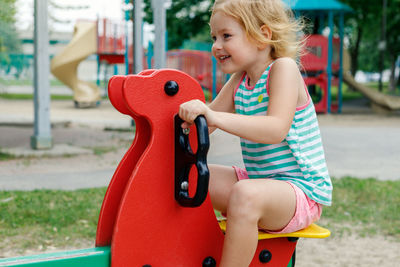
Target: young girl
x=266, y=104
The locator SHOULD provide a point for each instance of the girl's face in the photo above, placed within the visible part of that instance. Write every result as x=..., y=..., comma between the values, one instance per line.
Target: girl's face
x=232, y=49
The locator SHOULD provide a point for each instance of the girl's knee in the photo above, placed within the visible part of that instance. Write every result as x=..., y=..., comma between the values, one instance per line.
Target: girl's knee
x=222, y=179
x=243, y=202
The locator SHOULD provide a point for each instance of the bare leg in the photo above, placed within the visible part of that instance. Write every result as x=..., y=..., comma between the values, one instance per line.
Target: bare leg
x=269, y=204
x=222, y=179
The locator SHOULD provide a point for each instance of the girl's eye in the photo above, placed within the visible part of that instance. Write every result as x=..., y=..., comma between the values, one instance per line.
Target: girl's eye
x=227, y=35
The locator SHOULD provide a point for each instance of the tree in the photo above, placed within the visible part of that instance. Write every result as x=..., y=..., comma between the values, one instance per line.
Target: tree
x=362, y=26
x=393, y=40
x=7, y=11
x=8, y=37
x=185, y=19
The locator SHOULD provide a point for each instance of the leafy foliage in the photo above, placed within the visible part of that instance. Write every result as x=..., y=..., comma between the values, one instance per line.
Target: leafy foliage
x=188, y=19
x=393, y=29
x=185, y=19
x=363, y=27
x=8, y=38
x=7, y=11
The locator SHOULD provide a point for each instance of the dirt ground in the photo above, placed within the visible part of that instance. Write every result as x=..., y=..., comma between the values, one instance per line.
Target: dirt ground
x=348, y=251
x=345, y=251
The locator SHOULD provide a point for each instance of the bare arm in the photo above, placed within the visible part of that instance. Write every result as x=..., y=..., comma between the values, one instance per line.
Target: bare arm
x=269, y=129
x=223, y=102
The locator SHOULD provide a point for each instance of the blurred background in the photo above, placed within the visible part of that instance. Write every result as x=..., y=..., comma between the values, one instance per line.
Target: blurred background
x=370, y=39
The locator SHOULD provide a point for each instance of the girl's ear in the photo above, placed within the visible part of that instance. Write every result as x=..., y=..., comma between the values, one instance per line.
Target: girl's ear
x=266, y=31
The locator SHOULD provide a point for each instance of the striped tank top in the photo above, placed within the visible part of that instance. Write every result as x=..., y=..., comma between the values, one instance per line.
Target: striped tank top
x=299, y=158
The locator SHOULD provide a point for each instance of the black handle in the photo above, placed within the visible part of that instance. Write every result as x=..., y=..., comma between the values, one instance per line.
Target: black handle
x=185, y=159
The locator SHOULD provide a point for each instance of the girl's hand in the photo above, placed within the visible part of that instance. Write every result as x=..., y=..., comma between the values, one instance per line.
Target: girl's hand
x=189, y=111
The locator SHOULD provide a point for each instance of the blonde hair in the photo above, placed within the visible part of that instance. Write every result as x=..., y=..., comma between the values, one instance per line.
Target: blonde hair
x=253, y=14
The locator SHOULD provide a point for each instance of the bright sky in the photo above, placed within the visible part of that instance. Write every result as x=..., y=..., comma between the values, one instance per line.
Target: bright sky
x=111, y=9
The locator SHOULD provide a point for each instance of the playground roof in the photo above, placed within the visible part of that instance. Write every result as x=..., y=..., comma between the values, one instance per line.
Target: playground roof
x=314, y=5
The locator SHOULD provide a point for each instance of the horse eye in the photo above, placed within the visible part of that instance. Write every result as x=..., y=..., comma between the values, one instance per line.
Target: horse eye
x=171, y=88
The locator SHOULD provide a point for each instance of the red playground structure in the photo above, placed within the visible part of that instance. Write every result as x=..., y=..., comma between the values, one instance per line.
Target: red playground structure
x=315, y=63
x=113, y=45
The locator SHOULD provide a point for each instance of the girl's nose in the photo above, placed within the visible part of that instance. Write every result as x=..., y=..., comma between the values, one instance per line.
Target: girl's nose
x=216, y=45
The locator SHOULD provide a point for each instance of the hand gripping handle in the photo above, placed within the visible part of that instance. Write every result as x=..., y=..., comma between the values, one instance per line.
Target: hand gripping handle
x=185, y=159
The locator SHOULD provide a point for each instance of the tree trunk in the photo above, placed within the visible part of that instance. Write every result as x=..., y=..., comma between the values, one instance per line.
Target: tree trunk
x=355, y=51
x=382, y=45
x=392, y=78
x=398, y=77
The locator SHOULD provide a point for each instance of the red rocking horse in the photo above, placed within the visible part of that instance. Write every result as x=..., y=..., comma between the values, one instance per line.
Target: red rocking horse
x=156, y=211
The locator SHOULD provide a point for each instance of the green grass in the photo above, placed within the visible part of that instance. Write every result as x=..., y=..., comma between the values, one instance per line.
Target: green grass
x=29, y=82
x=45, y=218
x=385, y=88
x=347, y=94
x=5, y=156
x=101, y=150
x=25, y=82
x=367, y=206
x=30, y=96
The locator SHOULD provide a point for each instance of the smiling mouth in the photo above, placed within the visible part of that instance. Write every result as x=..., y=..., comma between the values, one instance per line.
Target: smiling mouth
x=222, y=58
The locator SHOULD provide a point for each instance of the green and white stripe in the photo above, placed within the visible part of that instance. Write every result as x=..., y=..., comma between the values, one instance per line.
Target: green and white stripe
x=299, y=158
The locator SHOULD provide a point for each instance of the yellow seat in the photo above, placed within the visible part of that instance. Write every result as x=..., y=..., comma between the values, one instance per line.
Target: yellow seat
x=312, y=231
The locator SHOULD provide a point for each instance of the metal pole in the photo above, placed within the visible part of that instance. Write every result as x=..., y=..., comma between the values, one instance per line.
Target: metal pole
x=330, y=51
x=214, y=81
x=41, y=138
x=160, y=28
x=341, y=36
x=138, y=50
x=126, y=10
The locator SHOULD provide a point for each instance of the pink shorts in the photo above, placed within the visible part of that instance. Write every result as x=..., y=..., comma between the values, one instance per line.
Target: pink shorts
x=307, y=210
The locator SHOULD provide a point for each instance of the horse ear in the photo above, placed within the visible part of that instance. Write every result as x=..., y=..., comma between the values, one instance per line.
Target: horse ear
x=146, y=72
x=115, y=86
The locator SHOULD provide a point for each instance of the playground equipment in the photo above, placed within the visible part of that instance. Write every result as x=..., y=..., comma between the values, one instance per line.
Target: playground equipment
x=102, y=38
x=107, y=41
x=64, y=66
x=156, y=211
x=315, y=64
x=380, y=101
x=323, y=14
